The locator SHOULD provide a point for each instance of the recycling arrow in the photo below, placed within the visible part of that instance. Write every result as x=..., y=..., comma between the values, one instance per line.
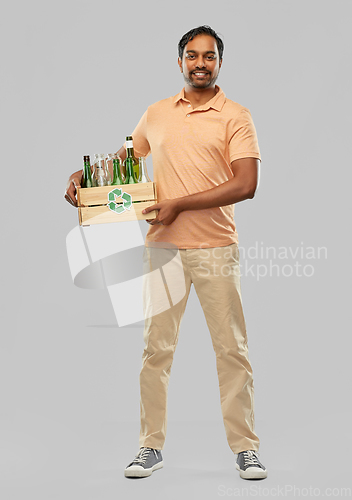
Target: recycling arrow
x=118, y=208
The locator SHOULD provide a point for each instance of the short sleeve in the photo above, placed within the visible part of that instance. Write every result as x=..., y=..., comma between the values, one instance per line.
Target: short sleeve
x=141, y=145
x=243, y=141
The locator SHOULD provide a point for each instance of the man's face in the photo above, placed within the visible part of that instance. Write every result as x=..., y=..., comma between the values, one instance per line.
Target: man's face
x=200, y=62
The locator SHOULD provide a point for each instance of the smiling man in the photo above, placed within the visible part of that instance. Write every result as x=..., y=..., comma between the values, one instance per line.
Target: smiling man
x=201, y=63
x=205, y=159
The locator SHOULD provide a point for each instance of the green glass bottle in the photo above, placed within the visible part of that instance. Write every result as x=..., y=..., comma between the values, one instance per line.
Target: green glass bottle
x=130, y=177
x=130, y=154
x=87, y=181
x=117, y=176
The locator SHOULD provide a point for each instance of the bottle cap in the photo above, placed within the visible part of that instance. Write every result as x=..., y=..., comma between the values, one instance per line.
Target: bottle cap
x=86, y=158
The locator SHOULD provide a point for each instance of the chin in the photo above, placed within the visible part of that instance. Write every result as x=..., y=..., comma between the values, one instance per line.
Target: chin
x=200, y=85
x=204, y=86
x=196, y=85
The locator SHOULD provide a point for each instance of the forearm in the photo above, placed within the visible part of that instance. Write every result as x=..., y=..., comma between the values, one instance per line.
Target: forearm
x=228, y=193
x=122, y=153
x=76, y=175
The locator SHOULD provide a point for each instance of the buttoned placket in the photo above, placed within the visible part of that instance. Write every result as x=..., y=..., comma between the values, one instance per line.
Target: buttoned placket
x=187, y=104
x=218, y=106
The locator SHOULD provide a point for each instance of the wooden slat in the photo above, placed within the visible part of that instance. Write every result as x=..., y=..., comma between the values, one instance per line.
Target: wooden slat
x=103, y=215
x=99, y=195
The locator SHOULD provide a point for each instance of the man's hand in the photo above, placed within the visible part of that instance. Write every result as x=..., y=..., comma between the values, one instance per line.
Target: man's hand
x=168, y=211
x=70, y=193
x=75, y=180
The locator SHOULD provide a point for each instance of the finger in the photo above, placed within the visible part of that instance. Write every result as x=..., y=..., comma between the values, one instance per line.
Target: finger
x=69, y=199
x=150, y=209
x=155, y=222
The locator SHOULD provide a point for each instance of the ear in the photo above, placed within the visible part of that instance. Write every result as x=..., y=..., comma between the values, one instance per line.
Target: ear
x=180, y=64
x=220, y=63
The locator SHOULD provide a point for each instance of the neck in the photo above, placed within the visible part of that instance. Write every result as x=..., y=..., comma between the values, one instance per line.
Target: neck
x=197, y=97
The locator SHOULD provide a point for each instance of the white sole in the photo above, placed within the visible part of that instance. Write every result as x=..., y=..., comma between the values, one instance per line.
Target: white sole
x=138, y=471
x=252, y=473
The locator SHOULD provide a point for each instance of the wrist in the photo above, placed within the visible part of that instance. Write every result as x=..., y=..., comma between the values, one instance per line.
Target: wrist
x=180, y=204
x=76, y=175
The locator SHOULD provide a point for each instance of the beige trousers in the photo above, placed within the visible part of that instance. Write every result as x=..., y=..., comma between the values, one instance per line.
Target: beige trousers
x=215, y=274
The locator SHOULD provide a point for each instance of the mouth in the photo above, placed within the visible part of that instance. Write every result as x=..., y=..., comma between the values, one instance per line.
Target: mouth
x=200, y=74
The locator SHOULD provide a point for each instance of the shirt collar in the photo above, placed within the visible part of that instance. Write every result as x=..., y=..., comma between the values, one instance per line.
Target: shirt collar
x=215, y=102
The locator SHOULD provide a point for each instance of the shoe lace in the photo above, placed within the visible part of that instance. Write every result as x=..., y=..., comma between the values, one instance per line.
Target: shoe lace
x=143, y=454
x=250, y=458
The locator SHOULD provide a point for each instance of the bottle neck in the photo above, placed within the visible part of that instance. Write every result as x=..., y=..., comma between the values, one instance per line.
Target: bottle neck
x=130, y=152
x=129, y=148
x=129, y=163
x=116, y=164
x=86, y=170
x=129, y=168
x=100, y=163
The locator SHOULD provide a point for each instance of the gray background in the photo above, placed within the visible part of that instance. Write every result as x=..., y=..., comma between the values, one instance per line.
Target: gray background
x=77, y=76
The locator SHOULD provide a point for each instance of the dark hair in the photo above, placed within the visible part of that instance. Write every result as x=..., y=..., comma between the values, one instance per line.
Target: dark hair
x=201, y=30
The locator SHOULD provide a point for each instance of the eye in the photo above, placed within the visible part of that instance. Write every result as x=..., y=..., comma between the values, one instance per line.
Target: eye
x=190, y=56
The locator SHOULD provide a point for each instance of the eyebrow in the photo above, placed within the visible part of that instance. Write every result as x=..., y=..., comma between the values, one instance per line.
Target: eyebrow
x=207, y=52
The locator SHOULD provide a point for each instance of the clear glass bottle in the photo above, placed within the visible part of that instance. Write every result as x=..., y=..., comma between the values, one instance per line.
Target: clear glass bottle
x=100, y=177
x=108, y=166
x=143, y=173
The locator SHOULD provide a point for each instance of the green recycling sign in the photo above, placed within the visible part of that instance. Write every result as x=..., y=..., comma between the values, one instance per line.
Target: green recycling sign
x=119, y=208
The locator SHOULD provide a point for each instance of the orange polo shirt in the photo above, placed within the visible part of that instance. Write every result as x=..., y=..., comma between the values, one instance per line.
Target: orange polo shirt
x=192, y=151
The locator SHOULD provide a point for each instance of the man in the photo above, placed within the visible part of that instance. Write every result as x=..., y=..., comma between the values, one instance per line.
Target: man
x=206, y=158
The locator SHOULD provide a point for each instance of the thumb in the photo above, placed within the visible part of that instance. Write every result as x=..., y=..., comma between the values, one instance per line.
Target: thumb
x=150, y=209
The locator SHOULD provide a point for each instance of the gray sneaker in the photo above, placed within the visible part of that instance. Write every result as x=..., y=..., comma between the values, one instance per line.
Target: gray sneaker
x=249, y=466
x=147, y=461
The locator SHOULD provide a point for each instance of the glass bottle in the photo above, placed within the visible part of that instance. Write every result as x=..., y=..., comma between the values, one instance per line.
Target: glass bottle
x=87, y=181
x=108, y=166
x=130, y=154
x=130, y=174
x=99, y=176
x=117, y=176
x=143, y=173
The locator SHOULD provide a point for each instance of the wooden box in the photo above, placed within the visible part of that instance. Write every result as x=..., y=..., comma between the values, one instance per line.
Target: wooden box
x=101, y=205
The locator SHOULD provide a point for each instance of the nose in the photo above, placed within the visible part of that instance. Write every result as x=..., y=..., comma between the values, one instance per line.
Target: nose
x=200, y=62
